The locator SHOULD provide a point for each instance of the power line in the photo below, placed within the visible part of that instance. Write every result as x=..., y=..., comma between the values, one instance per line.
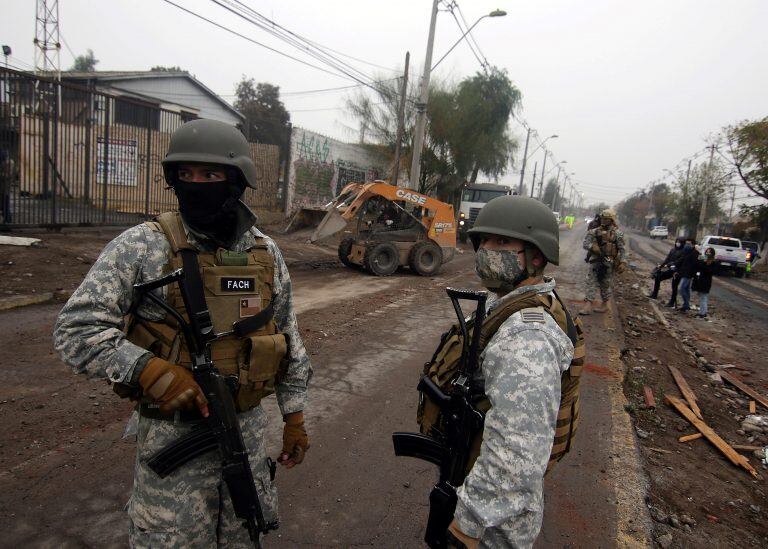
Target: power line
x=255, y=18
x=222, y=27
x=470, y=35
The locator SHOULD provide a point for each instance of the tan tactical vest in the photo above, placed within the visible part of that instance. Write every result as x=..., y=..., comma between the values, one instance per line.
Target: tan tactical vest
x=236, y=286
x=444, y=365
x=609, y=239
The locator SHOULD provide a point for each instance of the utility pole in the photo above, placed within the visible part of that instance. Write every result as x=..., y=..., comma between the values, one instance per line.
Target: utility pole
x=533, y=181
x=401, y=120
x=544, y=167
x=733, y=197
x=421, y=106
x=703, y=212
x=525, y=157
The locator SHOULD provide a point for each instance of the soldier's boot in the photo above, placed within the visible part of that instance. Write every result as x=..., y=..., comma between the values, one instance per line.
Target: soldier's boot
x=587, y=308
x=603, y=307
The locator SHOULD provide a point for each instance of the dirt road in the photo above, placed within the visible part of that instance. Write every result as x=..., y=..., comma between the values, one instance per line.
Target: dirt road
x=66, y=473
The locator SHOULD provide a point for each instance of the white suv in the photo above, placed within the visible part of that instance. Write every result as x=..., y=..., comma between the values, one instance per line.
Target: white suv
x=659, y=231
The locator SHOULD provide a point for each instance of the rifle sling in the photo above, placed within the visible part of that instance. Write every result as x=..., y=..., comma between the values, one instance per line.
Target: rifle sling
x=199, y=315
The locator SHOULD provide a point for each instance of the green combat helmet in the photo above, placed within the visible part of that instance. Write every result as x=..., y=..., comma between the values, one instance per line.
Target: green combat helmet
x=211, y=142
x=523, y=218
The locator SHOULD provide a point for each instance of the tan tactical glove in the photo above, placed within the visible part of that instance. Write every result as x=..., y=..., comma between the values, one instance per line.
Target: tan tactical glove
x=295, y=440
x=462, y=538
x=172, y=386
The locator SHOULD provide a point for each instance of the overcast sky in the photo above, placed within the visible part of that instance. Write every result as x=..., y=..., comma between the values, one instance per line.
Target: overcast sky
x=631, y=88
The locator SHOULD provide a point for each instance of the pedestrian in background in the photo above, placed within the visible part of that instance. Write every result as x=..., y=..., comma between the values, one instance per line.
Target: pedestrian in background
x=668, y=270
x=704, y=271
x=686, y=267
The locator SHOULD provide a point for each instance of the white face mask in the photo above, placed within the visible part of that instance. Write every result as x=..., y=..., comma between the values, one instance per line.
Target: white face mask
x=498, y=269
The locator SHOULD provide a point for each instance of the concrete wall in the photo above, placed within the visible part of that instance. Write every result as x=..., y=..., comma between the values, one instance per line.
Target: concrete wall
x=322, y=166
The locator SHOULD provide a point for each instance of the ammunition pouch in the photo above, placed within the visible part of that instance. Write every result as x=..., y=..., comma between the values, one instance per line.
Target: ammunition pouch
x=262, y=362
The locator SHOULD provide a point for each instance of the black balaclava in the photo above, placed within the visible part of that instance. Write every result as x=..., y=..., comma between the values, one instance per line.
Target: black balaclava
x=211, y=208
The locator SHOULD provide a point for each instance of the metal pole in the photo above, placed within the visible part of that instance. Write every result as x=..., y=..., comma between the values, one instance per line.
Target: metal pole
x=533, y=180
x=703, y=212
x=525, y=157
x=544, y=167
x=421, y=106
x=401, y=121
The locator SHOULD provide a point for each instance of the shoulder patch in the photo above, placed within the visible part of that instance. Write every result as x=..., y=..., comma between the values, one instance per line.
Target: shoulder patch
x=533, y=314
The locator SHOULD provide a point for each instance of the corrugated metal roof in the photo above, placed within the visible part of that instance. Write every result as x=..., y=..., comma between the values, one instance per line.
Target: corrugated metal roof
x=116, y=76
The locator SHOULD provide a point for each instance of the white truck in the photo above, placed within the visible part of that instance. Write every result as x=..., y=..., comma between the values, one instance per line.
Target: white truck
x=659, y=231
x=728, y=253
x=473, y=198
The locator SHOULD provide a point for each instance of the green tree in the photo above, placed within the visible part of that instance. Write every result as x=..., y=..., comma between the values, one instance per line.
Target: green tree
x=85, y=63
x=550, y=189
x=748, y=149
x=708, y=179
x=466, y=128
x=267, y=120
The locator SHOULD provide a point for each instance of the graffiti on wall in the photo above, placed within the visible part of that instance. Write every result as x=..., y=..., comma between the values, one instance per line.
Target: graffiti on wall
x=323, y=166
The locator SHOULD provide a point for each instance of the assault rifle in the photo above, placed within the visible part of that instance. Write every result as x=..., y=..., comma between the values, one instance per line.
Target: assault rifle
x=221, y=429
x=450, y=449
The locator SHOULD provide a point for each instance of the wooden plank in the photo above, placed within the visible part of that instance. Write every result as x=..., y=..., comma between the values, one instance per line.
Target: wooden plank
x=736, y=382
x=752, y=407
x=732, y=455
x=746, y=447
x=688, y=438
x=690, y=396
x=650, y=402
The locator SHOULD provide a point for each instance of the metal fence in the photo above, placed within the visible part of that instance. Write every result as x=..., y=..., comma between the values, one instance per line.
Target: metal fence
x=72, y=155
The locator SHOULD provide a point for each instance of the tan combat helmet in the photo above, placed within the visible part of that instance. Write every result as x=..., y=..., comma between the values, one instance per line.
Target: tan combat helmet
x=608, y=213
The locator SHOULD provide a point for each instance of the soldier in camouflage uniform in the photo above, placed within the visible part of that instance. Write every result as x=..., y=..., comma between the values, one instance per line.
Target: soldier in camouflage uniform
x=501, y=502
x=605, y=255
x=208, y=166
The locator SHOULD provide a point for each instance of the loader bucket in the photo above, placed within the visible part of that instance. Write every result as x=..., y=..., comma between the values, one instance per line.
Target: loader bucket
x=332, y=223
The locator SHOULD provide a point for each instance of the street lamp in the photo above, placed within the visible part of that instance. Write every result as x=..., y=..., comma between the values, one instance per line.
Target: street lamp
x=494, y=13
x=526, y=156
x=421, y=106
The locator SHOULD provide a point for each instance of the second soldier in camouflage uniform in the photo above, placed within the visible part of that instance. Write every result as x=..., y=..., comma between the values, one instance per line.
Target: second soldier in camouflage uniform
x=208, y=166
x=501, y=502
x=605, y=256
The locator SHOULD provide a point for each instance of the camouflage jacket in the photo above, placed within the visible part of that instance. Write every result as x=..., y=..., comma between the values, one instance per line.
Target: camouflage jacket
x=501, y=500
x=89, y=330
x=590, y=243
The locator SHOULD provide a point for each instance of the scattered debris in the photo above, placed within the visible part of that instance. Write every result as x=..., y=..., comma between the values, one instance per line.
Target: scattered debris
x=20, y=241
x=736, y=382
x=752, y=407
x=659, y=450
x=689, y=395
x=650, y=402
x=688, y=438
x=733, y=456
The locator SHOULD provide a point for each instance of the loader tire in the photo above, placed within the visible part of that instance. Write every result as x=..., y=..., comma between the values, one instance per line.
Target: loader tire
x=382, y=259
x=426, y=258
x=345, y=247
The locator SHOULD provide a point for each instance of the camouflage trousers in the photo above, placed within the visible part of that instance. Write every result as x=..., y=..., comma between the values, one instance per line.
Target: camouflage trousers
x=595, y=281
x=191, y=507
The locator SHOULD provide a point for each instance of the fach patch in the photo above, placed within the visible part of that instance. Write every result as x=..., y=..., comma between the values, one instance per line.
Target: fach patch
x=534, y=314
x=237, y=284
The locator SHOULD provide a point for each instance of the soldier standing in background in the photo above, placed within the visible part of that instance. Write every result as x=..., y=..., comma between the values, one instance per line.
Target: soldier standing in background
x=605, y=255
x=106, y=330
